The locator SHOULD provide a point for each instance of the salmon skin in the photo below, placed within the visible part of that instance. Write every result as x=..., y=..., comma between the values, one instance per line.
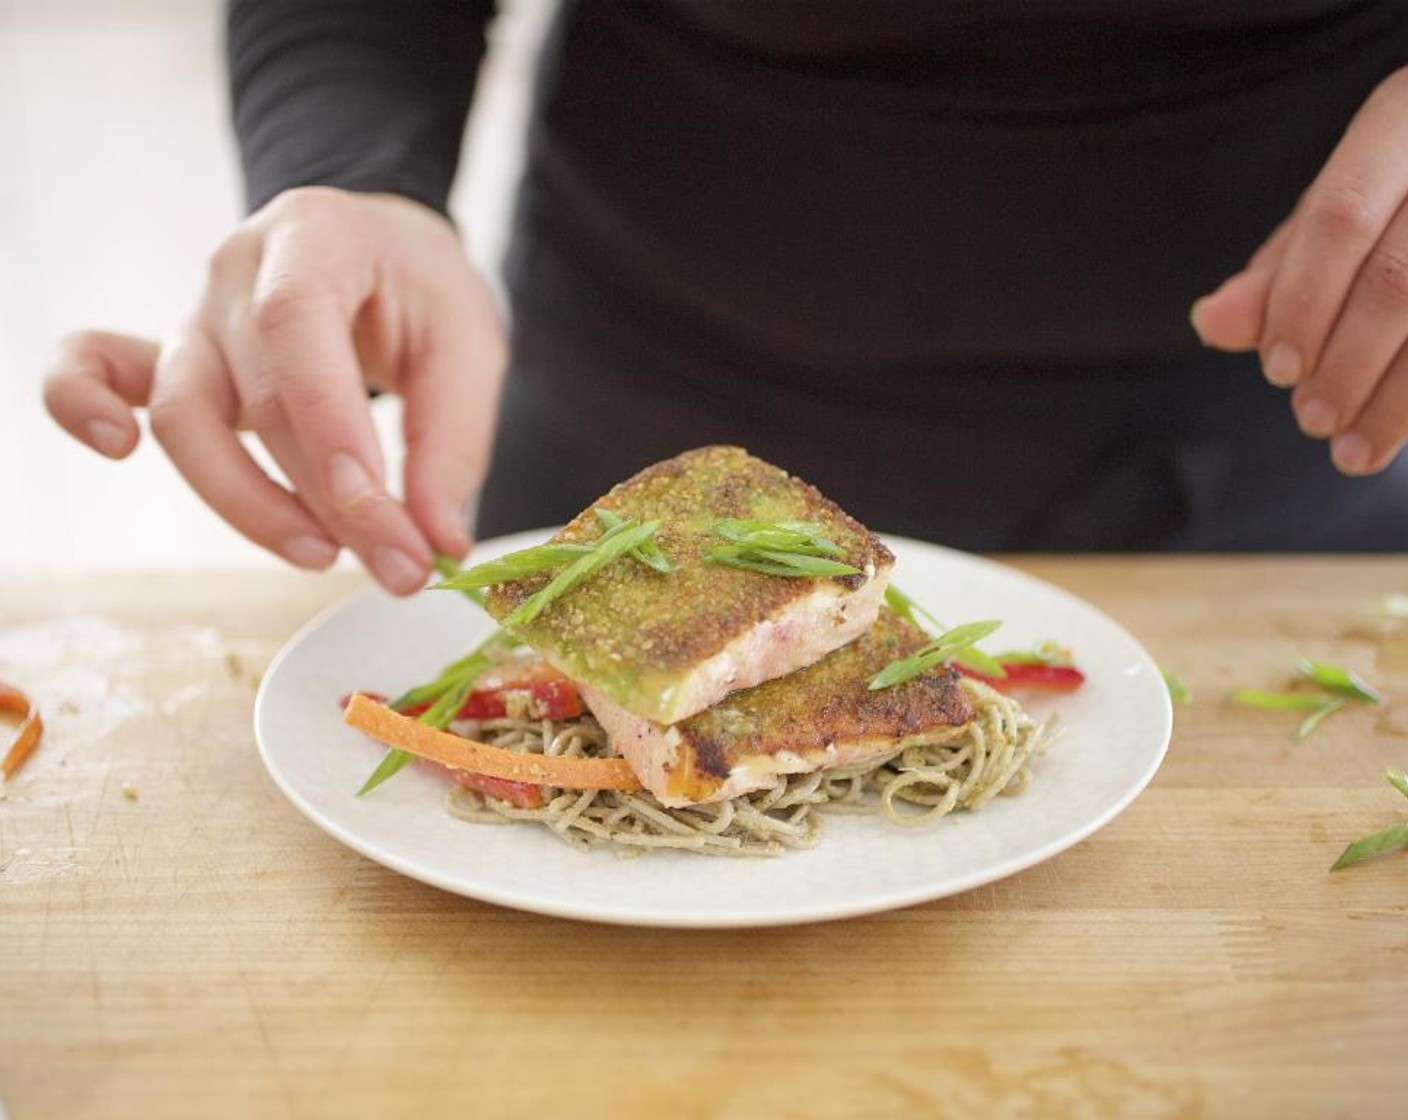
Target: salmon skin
x=823, y=716
x=665, y=646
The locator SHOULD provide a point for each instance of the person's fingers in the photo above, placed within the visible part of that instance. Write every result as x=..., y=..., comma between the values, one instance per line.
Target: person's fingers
x=95, y=382
x=451, y=389
x=300, y=386
x=355, y=527
x=1233, y=315
x=1340, y=219
x=1381, y=429
x=1230, y=318
x=1370, y=331
x=193, y=411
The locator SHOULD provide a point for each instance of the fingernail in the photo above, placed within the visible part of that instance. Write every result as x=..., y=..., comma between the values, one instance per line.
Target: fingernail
x=310, y=552
x=108, y=438
x=348, y=480
x=1316, y=418
x=456, y=544
x=1350, y=453
x=458, y=524
x=396, y=570
x=1282, y=366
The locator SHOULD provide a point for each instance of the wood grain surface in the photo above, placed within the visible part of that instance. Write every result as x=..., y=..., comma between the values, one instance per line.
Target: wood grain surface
x=177, y=941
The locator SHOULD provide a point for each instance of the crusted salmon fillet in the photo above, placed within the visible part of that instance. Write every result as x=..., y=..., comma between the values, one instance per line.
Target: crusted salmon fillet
x=664, y=646
x=821, y=716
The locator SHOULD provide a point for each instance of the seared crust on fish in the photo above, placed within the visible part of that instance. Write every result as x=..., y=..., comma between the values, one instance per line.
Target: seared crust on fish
x=666, y=646
x=824, y=716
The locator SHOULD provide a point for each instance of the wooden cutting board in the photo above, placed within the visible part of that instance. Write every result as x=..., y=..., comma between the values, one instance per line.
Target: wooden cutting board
x=177, y=941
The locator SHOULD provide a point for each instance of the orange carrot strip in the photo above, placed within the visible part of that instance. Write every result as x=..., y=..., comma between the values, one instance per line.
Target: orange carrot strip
x=31, y=728
x=407, y=734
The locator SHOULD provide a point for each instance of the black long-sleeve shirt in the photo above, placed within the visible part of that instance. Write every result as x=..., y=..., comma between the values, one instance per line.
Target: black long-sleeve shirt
x=934, y=256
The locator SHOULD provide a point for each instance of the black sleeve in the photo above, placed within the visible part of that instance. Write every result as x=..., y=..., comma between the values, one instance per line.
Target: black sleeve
x=367, y=95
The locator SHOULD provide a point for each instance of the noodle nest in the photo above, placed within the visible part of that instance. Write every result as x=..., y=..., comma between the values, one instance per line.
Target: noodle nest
x=916, y=785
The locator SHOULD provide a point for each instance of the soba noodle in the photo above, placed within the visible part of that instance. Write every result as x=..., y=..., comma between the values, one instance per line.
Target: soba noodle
x=914, y=786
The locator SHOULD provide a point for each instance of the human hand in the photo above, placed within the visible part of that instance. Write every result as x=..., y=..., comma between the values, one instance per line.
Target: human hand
x=1325, y=298
x=319, y=295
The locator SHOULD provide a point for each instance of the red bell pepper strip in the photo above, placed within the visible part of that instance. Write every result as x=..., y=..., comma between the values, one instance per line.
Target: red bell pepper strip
x=522, y=794
x=549, y=694
x=1032, y=675
x=556, y=699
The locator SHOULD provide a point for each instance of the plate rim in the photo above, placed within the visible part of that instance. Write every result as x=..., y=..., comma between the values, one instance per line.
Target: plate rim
x=585, y=910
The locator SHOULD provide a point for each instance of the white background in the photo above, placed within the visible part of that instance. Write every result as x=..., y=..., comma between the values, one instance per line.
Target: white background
x=118, y=176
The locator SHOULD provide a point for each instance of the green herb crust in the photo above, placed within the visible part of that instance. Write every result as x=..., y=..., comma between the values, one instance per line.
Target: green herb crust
x=634, y=632
x=829, y=702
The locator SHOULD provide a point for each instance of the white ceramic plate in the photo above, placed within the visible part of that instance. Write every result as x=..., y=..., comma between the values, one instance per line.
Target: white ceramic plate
x=1114, y=734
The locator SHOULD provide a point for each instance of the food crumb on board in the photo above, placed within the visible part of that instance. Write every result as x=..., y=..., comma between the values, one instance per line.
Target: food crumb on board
x=129, y=791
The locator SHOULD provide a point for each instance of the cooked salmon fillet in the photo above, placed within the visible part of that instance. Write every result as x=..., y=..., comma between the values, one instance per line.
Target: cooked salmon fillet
x=821, y=716
x=663, y=646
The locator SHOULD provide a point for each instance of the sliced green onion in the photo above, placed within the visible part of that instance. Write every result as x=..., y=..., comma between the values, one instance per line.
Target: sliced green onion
x=476, y=661
x=446, y=695
x=988, y=664
x=806, y=528
x=612, y=544
x=442, y=713
x=911, y=611
x=778, y=548
x=1047, y=653
x=774, y=563
x=449, y=570
x=423, y=693
x=1390, y=839
x=1278, y=701
x=1395, y=836
x=390, y=765
x=516, y=565
x=980, y=662
x=1177, y=690
x=648, y=553
x=1338, y=679
x=802, y=537
x=439, y=716
x=943, y=648
x=581, y=560
x=1312, y=721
